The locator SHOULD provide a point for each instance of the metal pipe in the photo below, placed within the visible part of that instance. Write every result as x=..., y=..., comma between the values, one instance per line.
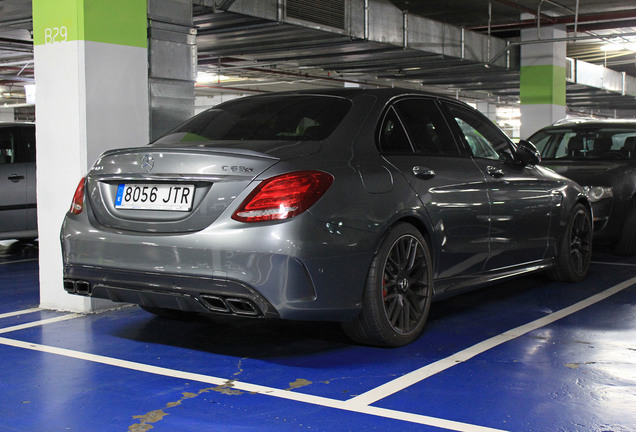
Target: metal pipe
x=489, y=22
x=405, y=29
x=539, y=19
x=576, y=18
x=523, y=8
x=538, y=41
x=614, y=18
x=508, y=55
x=16, y=22
x=624, y=74
x=366, y=19
x=280, y=11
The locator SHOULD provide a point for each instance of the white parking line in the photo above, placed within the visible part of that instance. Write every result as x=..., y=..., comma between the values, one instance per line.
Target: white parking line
x=358, y=404
x=418, y=375
x=39, y=323
x=251, y=388
x=20, y=312
x=18, y=261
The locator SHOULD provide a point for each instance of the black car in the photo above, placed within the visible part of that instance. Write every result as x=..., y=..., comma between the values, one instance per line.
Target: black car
x=600, y=156
x=18, y=212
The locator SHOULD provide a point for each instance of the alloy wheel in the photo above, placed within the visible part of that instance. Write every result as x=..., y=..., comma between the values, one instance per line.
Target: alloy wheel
x=405, y=284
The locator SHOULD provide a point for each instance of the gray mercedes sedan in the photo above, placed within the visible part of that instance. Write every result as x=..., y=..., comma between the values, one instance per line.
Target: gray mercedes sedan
x=353, y=205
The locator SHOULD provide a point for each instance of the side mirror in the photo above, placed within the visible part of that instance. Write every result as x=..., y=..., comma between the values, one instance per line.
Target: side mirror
x=527, y=153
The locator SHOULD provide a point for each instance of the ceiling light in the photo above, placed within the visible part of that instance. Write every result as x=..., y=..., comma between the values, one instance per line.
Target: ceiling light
x=208, y=77
x=619, y=45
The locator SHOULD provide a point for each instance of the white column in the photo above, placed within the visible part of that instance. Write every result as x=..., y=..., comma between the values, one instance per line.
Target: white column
x=542, y=85
x=92, y=95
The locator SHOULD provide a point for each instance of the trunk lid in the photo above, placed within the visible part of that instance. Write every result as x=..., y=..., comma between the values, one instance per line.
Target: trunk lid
x=146, y=177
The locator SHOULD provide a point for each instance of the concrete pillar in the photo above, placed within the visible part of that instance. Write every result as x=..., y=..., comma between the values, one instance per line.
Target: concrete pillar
x=91, y=73
x=542, y=87
x=172, y=57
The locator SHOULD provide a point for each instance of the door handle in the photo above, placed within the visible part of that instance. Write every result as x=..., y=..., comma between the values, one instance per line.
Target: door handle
x=494, y=171
x=423, y=172
x=15, y=178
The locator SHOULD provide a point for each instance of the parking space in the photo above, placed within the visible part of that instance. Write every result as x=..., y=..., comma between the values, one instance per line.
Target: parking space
x=525, y=355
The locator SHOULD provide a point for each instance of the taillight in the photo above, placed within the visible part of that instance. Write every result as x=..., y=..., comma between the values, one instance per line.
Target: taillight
x=283, y=196
x=77, y=206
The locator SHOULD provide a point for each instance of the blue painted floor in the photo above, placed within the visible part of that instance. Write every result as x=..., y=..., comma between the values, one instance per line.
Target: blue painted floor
x=525, y=355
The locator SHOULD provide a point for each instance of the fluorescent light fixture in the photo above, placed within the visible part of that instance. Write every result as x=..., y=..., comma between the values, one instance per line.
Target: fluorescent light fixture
x=213, y=78
x=619, y=45
x=29, y=89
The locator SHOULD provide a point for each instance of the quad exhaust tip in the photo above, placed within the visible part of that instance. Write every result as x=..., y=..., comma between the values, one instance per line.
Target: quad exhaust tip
x=77, y=287
x=226, y=305
x=234, y=306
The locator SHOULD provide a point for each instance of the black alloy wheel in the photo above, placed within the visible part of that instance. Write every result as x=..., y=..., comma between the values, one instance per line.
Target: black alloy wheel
x=580, y=242
x=398, y=291
x=404, y=284
x=573, y=260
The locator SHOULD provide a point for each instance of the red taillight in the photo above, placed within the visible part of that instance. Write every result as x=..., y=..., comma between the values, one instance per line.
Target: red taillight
x=77, y=206
x=283, y=196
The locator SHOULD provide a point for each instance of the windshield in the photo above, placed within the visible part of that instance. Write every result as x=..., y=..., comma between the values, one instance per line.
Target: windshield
x=581, y=143
x=286, y=117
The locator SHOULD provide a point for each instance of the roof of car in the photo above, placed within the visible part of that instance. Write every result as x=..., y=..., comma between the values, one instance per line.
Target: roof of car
x=4, y=124
x=586, y=122
x=349, y=92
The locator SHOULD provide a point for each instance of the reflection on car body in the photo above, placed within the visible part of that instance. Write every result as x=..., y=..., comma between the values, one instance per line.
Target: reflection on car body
x=351, y=205
x=18, y=213
x=601, y=156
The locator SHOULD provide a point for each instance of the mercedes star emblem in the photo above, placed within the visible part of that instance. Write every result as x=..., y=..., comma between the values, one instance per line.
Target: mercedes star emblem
x=147, y=163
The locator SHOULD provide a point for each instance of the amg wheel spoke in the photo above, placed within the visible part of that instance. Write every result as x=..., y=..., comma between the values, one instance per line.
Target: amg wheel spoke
x=395, y=314
x=577, y=260
x=405, y=285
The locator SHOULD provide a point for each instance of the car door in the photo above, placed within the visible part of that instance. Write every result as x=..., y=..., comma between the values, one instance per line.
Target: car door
x=13, y=183
x=416, y=139
x=25, y=154
x=522, y=200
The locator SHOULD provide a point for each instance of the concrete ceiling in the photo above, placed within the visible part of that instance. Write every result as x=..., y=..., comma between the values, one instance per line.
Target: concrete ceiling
x=274, y=53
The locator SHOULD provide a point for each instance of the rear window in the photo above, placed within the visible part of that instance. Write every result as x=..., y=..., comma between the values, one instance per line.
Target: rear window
x=278, y=118
x=586, y=143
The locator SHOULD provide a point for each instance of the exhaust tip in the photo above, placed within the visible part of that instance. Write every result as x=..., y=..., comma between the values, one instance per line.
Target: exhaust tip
x=77, y=287
x=242, y=307
x=83, y=287
x=214, y=303
x=69, y=286
x=233, y=306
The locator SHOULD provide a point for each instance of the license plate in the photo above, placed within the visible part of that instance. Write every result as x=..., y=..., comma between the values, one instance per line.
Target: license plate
x=174, y=197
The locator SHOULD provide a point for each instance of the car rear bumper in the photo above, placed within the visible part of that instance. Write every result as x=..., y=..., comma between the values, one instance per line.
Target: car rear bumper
x=186, y=293
x=299, y=270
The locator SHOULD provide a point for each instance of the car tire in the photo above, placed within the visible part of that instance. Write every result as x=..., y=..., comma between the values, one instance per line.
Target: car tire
x=398, y=291
x=573, y=259
x=626, y=245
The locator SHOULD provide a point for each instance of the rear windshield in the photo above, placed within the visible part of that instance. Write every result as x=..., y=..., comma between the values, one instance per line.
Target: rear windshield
x=284, y=118
x=586, y=143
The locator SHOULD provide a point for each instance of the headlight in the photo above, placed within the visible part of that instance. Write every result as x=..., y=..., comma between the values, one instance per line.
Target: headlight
x=597, y=193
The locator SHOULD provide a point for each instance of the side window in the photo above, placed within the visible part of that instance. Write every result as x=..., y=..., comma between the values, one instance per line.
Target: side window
x=25, y=146
x=7, y=145
x=426, y=127
x=393, y=138
x=483, y=138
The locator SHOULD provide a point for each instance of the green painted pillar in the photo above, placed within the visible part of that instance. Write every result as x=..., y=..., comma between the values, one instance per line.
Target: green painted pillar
x=542, y=82
x=91, y=73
